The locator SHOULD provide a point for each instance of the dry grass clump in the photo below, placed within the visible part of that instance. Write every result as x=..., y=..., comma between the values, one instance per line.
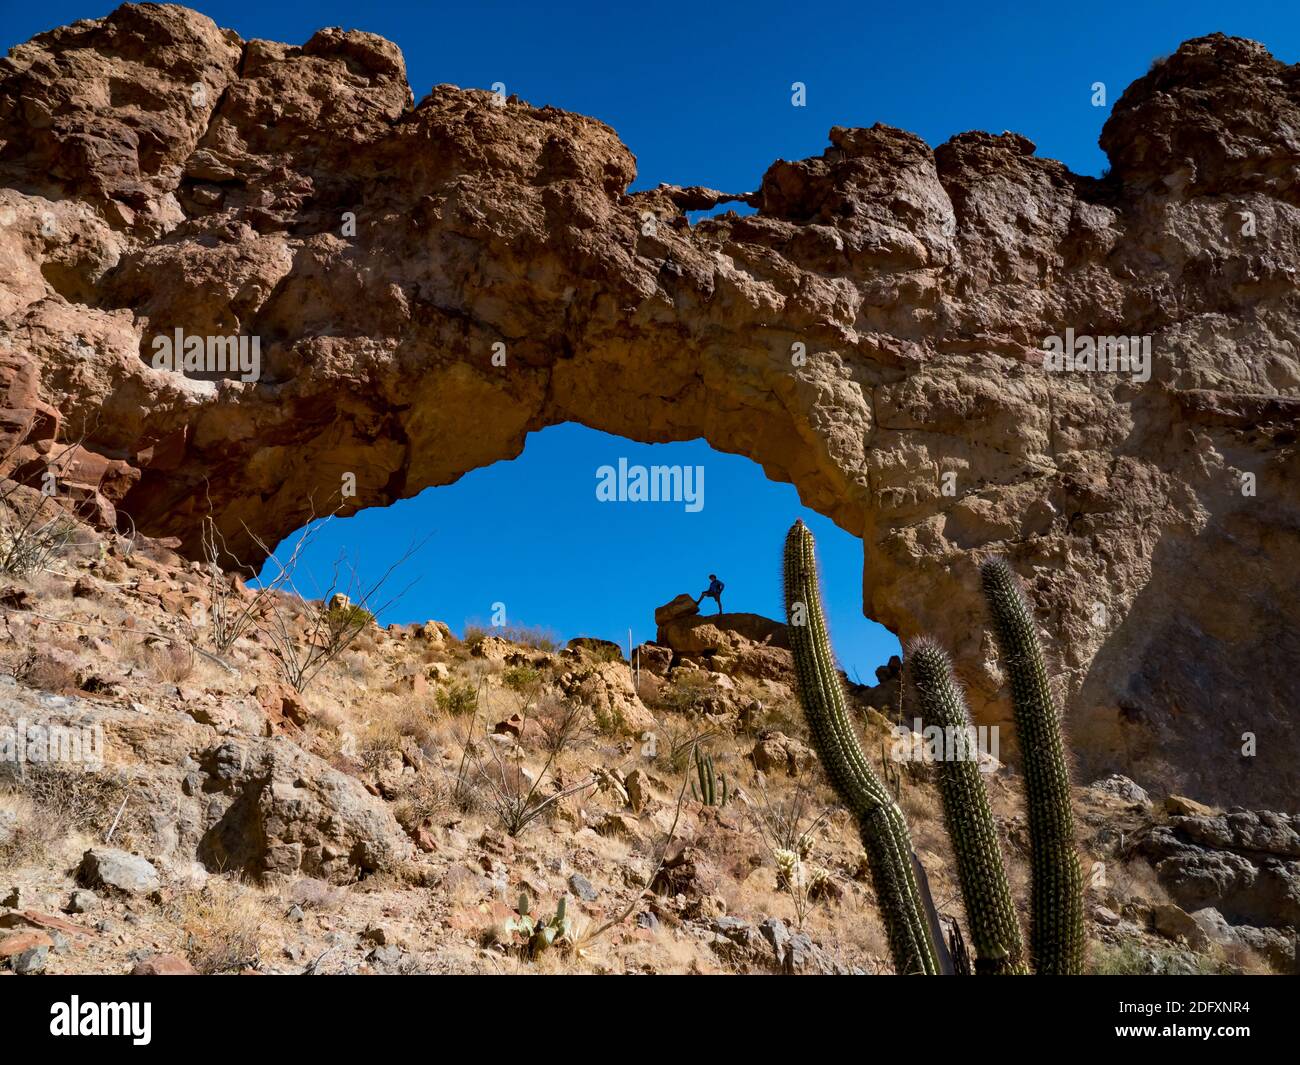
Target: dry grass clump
x=48, y=672
x=388, y=720
x=313, y=894
x=426, y=796
x=222, y=926
x=536, y=637
x=27, y=831
x=171, y=663
x=60, y=801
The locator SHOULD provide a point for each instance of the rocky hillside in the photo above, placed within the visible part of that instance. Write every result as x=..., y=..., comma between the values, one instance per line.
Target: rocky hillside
x=430, y=276
x=664, y=815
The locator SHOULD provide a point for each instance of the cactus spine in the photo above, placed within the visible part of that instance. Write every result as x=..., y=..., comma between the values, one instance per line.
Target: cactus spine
x=994, y=926
x=880, y=821
x=1056, y=933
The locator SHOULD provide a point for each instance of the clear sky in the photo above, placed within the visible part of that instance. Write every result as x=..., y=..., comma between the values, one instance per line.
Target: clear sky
x=701, y=94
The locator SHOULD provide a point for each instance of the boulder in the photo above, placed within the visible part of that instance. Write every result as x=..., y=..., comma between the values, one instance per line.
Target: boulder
x=1173, y=922
x=653, y=658
x=777, y=751
x=30, y=961
x=700, y=635
x=288, y=813
x=606, y=650
x=105, y=867
x=16, y=943
x=1181, y=806
x=606, y=687
x=680, y=606
x=1115, y=784
x=81, y=900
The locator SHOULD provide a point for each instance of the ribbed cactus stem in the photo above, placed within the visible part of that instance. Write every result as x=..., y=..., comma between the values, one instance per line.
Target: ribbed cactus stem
x=1056, y=933
x=880, y=822
x=994, y=926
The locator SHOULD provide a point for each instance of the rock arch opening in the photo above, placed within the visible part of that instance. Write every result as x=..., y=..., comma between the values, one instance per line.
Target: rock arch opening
x=584, y=535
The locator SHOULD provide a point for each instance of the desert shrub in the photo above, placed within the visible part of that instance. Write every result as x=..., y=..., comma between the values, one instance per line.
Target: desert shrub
x=27, y=832
x=458, y=699
x=48, y=672
x=521, y=679
x=687, y=692
x=425, y=797
x=172, y=663
x=538, y=637
x=1132, y=959
x=306, y=635
x=474, y=635
x=606, y=652
x=32, y=537
x=377, y=746
x=221, y=926
x=77, y=799
x=344, y=616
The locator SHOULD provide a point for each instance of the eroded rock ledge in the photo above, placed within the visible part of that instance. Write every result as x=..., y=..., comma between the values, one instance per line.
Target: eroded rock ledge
x=161, y=173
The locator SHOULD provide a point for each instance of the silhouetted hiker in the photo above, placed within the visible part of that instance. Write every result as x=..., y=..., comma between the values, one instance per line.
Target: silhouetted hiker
x=714, y=591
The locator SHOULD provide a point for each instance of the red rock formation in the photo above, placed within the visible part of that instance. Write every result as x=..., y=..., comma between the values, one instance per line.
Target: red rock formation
x=160, y=173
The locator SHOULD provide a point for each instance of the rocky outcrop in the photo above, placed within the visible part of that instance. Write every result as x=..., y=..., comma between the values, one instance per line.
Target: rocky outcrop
x=431, y=281
x=292, y=815
x=258, y=805
x=736, y=644
x=1244, y=864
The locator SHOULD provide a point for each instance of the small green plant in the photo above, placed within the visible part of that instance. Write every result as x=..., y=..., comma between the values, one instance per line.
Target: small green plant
x=712, y=789
x=521, y=679
x=343, y=617
x=533, y=935
x=458, y=699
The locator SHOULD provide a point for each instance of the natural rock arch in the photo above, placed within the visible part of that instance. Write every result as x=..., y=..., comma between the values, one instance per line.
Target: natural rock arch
x=160, y=173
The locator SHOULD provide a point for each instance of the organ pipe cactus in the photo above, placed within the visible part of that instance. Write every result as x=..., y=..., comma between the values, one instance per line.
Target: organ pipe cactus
x=880, y=822
x=994, y=926
x=1056, y=927
x=712, y=790
x=1056, y=934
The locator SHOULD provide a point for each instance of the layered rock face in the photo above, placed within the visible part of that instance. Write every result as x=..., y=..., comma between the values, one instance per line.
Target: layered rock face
x=428, y=282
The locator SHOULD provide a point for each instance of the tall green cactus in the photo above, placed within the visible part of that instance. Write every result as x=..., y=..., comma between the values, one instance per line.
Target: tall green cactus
x=880, y=821
x=709, y=792
x=1056, y=933
x=994, y=926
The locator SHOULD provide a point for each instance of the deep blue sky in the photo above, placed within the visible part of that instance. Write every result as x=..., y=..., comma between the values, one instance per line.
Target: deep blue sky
x=701, y=94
